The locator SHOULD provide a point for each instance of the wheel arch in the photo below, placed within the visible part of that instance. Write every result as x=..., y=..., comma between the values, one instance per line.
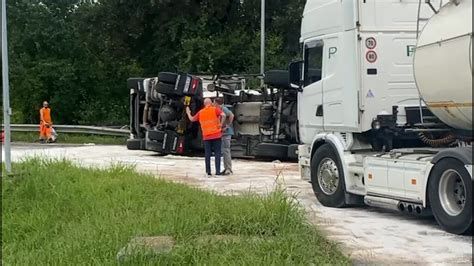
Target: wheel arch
x=316, y=144
x=337, y=144
x=463, y=154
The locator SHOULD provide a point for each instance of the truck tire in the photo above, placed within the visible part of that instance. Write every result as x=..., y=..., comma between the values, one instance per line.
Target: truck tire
x=279, y=79
x=450, y=196
x=135, y=144
x=327, y=177
x=167, y=77
x=165, y=88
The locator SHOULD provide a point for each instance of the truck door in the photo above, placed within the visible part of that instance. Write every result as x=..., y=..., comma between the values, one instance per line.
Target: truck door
x=310, y=101
x=340, y=90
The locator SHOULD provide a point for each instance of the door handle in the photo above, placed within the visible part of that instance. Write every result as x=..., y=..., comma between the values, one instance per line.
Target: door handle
x=319, y=110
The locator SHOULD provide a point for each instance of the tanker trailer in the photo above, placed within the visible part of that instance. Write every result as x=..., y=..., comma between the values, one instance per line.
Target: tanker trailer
x=443, y=64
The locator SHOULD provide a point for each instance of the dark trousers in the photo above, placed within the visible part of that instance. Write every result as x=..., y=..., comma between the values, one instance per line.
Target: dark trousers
x=209, y=147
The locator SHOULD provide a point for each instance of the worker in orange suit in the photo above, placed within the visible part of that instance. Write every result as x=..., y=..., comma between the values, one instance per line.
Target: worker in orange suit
x=211, y=120
x=46, y=124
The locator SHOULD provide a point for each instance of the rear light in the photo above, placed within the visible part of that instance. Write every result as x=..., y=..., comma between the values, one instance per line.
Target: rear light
x=195, y=84
x=180, y=146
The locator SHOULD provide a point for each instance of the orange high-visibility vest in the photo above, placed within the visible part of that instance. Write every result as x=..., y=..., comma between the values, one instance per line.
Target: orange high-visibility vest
x=209, y=121
x=46, y=115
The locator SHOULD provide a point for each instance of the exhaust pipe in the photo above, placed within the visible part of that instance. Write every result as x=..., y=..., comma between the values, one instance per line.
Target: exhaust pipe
x=401, y=207
x=384, y=203
x=396, y=205
x=413, y=208
x=418, y=210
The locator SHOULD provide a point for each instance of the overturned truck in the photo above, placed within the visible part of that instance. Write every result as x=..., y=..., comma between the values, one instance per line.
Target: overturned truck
x=265, y=120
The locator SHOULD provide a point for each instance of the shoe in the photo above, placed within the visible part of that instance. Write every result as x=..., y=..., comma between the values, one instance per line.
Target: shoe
x=208, y=175
x=226, y=172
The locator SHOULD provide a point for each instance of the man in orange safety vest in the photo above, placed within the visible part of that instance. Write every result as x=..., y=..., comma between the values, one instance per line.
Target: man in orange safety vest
x=45, y=123
x=211, y=119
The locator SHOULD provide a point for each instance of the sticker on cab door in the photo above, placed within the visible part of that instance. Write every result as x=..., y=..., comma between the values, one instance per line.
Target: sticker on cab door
x=370, y=43
x=370, y=94
x=371, y=56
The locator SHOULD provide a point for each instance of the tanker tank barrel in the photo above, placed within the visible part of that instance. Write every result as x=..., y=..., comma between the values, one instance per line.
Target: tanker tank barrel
x=442, y=64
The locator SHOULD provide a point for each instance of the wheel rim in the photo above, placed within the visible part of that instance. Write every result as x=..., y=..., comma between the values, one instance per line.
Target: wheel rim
x=328, y=176
x=452, y=192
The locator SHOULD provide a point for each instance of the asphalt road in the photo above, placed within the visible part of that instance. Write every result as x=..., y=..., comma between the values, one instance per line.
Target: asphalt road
x=367, y=235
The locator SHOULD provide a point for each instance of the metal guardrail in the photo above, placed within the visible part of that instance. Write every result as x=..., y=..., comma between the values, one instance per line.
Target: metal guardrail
x=90, y=130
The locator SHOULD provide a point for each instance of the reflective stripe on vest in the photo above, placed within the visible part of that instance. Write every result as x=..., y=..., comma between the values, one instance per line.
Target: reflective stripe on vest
x=209, y=121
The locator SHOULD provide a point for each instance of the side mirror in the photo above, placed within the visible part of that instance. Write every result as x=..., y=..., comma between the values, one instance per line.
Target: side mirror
x=295, y=70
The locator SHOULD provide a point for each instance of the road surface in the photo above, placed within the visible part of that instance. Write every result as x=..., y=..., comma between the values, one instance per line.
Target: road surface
x=367, y=235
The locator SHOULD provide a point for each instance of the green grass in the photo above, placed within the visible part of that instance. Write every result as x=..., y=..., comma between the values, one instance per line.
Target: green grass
x=31, y=137
x=58, y=214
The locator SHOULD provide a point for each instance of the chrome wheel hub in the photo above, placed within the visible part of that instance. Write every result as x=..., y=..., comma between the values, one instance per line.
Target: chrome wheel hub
x=328, y=176
x=452, y=192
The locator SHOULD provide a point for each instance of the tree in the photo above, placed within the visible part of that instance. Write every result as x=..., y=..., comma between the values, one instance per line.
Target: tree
x=78, y=53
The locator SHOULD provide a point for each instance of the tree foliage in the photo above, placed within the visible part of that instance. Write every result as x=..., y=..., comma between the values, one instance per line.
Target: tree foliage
x=78, y=53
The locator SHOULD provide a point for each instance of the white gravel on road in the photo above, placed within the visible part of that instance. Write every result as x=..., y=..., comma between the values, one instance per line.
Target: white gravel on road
x=367, y=235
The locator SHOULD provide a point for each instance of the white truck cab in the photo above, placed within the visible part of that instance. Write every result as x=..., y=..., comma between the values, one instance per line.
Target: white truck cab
x=367, y=135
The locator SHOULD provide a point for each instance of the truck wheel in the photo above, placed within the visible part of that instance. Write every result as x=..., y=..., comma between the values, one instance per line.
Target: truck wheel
x=277, y=78
x=165, y=88
x=327, y=177
x=135, y=144
x=167, y=77
x=450, y=196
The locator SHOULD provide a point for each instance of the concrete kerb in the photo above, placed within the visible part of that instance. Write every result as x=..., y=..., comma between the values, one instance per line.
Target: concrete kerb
x=159, y=245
